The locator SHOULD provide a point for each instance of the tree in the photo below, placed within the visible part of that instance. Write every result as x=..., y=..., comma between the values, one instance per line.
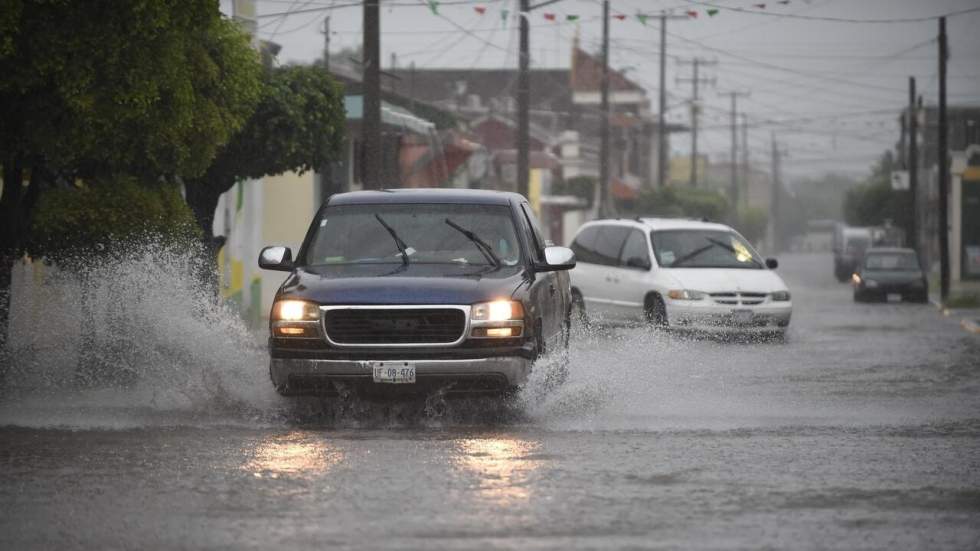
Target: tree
x=297, y=126
x=682, y=201
x=150, y=87
x=874, y=201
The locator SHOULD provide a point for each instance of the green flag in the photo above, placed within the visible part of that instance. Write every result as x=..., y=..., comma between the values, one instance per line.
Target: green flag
x=571, y=18
x=434, y=6
x=712, y=12
x=642, y=17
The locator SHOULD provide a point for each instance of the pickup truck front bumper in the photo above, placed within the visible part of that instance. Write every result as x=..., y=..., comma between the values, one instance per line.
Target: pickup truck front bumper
x=295, y=376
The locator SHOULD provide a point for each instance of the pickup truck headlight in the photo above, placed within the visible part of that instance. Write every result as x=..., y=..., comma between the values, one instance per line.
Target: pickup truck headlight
x=780, y=296
x=295, y=318
x=685, y=294
x=295, y=310
x=497, y=319
x=498, y=310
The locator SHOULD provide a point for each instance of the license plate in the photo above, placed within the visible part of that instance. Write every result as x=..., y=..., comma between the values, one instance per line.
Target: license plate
x=742, y=316
x=394, y=372
x=894, y=297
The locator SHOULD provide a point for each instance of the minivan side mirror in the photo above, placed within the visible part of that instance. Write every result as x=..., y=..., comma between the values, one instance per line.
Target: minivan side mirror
x=276, y=258
x=638, y=262
x=556, y=258
x=772, y=263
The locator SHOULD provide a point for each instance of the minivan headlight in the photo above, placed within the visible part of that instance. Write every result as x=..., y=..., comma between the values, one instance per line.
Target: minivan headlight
x=685, y=294
x=498, y=310
x=780, y=296
x=295, y=310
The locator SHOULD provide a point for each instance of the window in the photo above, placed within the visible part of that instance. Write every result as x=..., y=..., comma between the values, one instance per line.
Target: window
x=538, y=238
x=900, y=262
x=359, y=234
x=703, y=249
x=635, y=252
x=609, y=243
x=584, y=245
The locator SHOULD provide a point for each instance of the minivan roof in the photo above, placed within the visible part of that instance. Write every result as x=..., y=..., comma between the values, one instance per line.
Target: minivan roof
x=425, y=195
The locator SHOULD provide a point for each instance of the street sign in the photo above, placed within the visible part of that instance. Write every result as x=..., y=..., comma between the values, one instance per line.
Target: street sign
x=900, y=180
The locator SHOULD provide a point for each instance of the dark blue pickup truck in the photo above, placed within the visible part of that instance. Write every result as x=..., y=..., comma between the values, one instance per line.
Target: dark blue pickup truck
x=417, y=290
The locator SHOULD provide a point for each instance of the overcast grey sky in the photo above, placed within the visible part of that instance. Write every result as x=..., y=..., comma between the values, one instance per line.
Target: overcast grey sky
x=831, y=90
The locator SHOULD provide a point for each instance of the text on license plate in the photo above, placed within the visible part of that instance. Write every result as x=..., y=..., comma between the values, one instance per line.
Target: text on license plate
x=393, y=372
x=894, y=297
x=742, y=316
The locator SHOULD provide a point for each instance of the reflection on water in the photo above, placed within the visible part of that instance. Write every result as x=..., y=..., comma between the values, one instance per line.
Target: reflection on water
x=295, y=454
x=503, y=464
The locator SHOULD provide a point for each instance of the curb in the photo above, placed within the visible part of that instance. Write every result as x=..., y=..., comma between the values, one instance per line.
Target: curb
x=970, y=326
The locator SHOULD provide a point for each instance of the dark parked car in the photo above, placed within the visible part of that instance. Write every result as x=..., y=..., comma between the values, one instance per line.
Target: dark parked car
x=890, y=274
x=417, y=290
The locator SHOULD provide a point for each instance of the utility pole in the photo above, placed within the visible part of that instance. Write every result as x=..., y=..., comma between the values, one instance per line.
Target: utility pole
x=605, y=204
x=371, y=120
x=734, y=189
x=326, y=44
x=662, y=120
x=524, y=96
x=745, y=160
x=696, y=62
x=774, y=193
x=913, y=168
x=943, y=158
x=523, y=103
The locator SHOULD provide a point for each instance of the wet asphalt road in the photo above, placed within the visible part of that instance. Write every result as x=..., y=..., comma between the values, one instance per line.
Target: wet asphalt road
x=860, y=431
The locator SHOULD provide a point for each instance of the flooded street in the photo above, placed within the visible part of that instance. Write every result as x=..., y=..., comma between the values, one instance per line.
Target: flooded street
x=861, y=430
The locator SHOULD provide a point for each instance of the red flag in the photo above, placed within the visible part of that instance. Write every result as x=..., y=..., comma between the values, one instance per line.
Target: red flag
x=549, y=16
x=621, y=17
x=692, y=13
x=480, y=9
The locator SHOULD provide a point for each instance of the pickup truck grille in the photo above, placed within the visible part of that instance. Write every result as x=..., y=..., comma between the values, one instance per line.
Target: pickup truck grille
x=394, y=326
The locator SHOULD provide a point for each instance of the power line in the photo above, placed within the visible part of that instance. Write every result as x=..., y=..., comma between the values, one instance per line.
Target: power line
x=835, y=19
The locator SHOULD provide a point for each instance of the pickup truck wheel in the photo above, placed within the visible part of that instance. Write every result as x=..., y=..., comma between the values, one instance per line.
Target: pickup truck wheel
x=578, y=308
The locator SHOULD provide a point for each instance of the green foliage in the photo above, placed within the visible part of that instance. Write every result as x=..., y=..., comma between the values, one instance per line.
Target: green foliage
x=109, y=215
x=582, y=187
x=103, y=86
x=298, y=125
x=679, y=200
x=874, y=201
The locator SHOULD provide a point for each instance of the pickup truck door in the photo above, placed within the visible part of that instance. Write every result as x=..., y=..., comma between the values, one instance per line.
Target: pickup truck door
x=547, y=295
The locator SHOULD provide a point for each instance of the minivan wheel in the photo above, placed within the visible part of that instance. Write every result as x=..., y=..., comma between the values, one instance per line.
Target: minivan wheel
x=655, y=310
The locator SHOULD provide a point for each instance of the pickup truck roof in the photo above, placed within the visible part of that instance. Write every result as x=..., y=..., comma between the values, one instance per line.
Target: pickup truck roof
x=426, y=195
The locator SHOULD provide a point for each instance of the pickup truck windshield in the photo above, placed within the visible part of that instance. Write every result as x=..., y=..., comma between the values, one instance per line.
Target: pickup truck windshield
x=355, y=234
x=703, y=249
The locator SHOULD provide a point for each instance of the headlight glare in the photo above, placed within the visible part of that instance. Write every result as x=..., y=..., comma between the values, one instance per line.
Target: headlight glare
x=498, y=310
x=295, y=310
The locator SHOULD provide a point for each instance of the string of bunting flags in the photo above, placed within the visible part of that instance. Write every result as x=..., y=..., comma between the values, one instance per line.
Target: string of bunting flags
x=506, y=14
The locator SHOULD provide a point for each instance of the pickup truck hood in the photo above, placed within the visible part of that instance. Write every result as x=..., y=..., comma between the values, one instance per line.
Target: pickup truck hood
x=396, y=284
x=721, y=280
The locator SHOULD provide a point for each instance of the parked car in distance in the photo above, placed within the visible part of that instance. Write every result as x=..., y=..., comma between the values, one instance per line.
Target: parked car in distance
x=676, y=272
x=890, y=274
x=417, y=290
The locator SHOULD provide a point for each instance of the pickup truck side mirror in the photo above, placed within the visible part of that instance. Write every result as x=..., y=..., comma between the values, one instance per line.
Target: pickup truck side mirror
x=556, y=258
x=276, y=258
x=772, y=263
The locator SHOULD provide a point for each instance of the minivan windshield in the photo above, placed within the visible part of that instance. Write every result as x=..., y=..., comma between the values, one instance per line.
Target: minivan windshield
x=896, y=261
x=414, y=234
x=703, y=249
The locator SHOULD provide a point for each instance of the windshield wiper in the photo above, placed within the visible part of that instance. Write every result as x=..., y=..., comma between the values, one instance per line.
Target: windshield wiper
x=402, y=248
x=690, y=255
x=728, y=247
x=481, y=245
